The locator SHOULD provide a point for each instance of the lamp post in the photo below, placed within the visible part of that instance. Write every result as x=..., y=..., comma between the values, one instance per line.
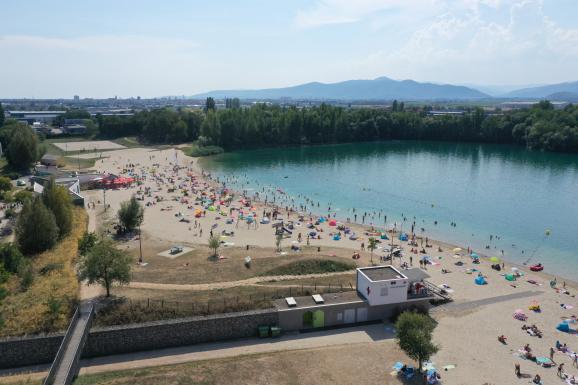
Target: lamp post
x=140, y=245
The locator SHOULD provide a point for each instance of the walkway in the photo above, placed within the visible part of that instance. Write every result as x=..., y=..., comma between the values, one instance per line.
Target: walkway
x=66, y=367
x=460, y=306
x=375, y=333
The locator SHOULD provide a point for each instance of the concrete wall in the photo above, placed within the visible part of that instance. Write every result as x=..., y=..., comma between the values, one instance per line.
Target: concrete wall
x=20, y=352
x=346, y=313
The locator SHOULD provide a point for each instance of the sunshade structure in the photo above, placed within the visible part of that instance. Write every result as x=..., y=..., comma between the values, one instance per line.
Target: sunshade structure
x=495, y=260
x=457, y=249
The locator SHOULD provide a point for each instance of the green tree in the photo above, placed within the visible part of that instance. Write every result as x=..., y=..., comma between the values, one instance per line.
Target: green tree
x=22, y=150
x=414, y=336
x=57, y=200
x=105, y=264
x=5, y=184
x=22, y=196
x=11, y=258
x=214, y=244
x=1, y=115
x=372, y=246
x=209, y=104
x=36, y=229
x=86, y=243
x=130, y=215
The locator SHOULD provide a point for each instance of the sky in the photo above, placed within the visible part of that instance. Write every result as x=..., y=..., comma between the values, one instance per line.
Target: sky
x=129, y=48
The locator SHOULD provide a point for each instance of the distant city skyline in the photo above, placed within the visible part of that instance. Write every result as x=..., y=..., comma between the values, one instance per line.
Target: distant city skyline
x=144, y=48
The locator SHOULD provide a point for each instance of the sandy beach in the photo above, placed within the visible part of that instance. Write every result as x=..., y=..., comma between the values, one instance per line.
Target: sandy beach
x=468, y=327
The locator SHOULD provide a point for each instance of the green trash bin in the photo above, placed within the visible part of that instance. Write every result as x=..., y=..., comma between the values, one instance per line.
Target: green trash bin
x=275, y=331
x=263, y=331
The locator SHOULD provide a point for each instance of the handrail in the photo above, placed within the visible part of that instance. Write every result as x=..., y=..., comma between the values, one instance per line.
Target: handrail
x=56, y=363
x=436, y=290
x=72, y=370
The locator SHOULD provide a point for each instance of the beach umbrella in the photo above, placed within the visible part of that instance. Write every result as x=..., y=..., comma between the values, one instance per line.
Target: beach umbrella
x=457, y=249
x=495, y=260
x=475, y=256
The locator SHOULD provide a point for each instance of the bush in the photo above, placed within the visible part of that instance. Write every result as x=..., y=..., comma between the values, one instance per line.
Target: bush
x=9, y=213
x=197, y=151
x=23, y=196
x=11, y=258
x=311, y=266
x=5, y=183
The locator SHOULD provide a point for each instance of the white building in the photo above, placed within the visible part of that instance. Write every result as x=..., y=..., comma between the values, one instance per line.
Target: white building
x=382, y=285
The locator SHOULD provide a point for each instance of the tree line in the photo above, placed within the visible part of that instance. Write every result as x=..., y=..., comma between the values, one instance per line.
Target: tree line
x=541, y=127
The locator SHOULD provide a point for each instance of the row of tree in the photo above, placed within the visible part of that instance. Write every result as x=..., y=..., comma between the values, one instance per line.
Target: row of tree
x=541, y=127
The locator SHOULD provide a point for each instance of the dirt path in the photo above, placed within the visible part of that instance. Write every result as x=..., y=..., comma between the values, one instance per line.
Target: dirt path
x=225, y=285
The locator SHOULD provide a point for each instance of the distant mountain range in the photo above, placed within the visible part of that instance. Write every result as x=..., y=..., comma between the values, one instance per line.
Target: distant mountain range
x=384, y=88
x=559, y=90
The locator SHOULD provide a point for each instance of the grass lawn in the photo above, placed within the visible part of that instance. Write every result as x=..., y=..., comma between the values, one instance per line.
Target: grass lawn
x=196, y=266
x=47, y=304
x=347, y=280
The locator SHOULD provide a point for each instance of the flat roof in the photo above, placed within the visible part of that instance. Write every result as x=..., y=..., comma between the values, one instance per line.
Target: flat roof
x=416, y=274
x=329, y=299
x=381, y=273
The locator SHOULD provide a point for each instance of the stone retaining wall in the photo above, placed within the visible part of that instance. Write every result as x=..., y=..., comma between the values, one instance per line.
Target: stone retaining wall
x=18, y=352
x=164, y=334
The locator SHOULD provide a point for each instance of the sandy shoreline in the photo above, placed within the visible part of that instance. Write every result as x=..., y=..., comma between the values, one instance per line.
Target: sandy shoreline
x=467, y=330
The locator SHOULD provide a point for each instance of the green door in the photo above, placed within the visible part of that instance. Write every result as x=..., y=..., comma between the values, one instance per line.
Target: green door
x=307, y=319
x=318, y=319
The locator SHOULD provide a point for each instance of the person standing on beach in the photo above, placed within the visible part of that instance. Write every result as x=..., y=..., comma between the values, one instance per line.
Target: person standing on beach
x=560, y=369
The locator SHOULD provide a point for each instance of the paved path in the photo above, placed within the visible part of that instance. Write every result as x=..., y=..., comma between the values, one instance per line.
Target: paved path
x=224, y=285
x=375, y=333
x=293, y=341
x=460, y=306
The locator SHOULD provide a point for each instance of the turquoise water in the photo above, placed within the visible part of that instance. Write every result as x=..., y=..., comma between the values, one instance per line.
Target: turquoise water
x=508, y=192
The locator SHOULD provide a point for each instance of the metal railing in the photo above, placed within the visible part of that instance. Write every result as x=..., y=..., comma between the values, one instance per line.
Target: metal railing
x=73, y=366
x=62, y=349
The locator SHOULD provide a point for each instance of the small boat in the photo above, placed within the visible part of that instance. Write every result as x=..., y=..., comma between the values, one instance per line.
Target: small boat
x=537, y=267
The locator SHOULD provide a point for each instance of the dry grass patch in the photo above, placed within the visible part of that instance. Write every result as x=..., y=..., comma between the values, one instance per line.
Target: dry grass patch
x=49, y=301
x=196, y=266
x=366, y=363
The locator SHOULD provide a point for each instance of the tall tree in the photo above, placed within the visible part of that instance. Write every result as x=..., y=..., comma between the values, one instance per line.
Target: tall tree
x=414, y=336
x=209, y=104
x=36, y=229
x=1, y=115
x=214, y=243
x=130, y=215
x=372, y=245
x=57, y=199
x=22, y=149
x=105, y=264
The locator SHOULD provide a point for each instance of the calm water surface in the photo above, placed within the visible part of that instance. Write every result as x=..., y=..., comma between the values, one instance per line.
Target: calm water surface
x=504, y=191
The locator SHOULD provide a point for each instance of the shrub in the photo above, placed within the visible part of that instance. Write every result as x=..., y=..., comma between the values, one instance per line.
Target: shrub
x=11, y=258
x=311, y=266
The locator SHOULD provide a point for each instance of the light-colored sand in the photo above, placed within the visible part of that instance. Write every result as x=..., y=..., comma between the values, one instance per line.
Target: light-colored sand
x=467, y=330
x=88, y=145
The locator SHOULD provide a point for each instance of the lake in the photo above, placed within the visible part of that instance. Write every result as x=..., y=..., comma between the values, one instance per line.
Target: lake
x=522, y=202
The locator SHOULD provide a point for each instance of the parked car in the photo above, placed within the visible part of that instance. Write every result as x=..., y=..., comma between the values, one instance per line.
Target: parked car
x=176, y=249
